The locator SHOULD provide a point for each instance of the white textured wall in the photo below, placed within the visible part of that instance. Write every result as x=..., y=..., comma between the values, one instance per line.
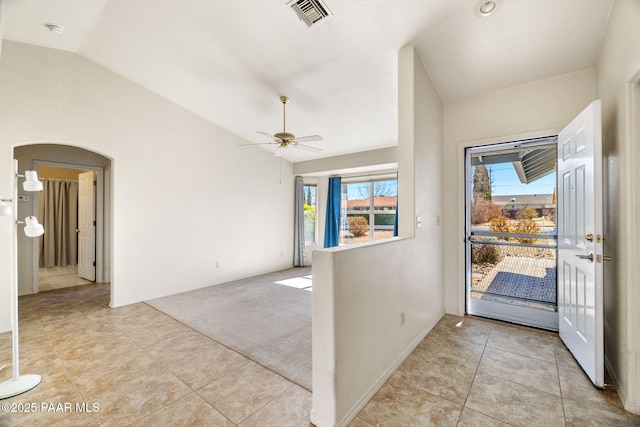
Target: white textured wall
x=184, y=195
x=536, y=109
x=618, y=66
x=360, y=292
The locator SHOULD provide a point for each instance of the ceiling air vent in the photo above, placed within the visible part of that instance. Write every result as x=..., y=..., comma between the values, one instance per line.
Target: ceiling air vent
x=310, y=11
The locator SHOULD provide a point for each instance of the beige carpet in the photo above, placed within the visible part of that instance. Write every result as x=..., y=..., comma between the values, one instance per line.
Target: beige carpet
x=266, y=318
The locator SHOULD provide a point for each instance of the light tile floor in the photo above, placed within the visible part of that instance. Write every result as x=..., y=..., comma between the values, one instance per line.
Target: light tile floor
x=59, y=277
x=143, y=368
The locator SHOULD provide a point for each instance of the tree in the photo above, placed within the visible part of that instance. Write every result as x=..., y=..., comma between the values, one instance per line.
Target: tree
x=481, y=183
x=309, y=201
x=384, y=188
x=380, y=189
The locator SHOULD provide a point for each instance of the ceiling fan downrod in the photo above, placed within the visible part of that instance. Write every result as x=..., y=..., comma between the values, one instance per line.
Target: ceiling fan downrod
x=284, y=136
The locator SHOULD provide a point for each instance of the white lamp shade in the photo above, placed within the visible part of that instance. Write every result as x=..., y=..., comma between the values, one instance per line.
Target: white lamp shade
x=31, y=182
x=32, y=227
x=5, y=209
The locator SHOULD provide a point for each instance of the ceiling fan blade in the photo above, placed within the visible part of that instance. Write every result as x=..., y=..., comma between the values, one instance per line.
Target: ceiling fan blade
x=268, y=135
x=273, y=137
x=262, y=143
x=310, y=138
x=308, y=148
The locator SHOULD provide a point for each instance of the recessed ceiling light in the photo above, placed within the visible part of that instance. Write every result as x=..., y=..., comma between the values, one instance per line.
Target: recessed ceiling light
x=486, y=8
x=55, y=28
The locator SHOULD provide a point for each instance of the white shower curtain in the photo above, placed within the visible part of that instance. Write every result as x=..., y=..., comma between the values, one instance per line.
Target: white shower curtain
x=58, y=209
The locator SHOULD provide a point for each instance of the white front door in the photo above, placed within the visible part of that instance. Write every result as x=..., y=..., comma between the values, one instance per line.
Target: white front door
x=87, y=226
x=580, y=229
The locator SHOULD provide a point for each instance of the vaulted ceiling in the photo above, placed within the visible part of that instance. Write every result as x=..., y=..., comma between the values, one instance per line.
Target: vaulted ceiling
x=229, y=61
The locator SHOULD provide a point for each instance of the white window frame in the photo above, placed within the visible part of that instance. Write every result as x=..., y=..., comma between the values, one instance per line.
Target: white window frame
x=371, y=181
x=315, y=238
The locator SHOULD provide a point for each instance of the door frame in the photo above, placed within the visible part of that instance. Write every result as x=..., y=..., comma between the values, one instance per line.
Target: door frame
x=514, y=313
x=628, y=244
x=100, y=223
x=461, y=285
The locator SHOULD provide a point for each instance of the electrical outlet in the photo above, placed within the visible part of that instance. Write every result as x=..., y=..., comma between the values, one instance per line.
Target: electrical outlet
x=218, y=265
x=402, y=318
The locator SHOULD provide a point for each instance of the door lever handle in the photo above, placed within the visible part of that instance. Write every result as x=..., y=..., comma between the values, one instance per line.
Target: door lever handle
x=589, y=257
x=606, y=258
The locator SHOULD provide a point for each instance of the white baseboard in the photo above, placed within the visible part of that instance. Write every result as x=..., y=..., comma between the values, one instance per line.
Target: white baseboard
x=628, y=405
x=357, y=407
x=319, y=421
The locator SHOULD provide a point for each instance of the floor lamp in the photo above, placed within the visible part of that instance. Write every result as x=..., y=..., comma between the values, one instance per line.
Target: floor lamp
x=19, y=383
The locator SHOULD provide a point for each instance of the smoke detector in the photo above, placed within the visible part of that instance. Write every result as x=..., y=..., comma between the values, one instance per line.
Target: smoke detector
x=310, y=11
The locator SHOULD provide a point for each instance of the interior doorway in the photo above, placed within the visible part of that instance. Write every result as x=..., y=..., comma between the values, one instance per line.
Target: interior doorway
x=68, y=206
x=511, y=232
x=58, y=164
x=60, y=211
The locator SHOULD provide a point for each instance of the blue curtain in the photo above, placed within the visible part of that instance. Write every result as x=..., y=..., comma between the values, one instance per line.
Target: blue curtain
x=332, y=225
x=395, y=221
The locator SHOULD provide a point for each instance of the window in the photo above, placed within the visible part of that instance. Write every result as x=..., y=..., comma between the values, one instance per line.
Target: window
x=310, y=217
x=368, y=210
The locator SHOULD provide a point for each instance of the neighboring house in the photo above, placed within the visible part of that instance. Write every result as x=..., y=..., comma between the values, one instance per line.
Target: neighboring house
x=380, y=203
x=511, y=206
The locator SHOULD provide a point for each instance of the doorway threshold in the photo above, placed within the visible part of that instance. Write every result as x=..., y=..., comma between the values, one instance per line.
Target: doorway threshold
x=514, y=310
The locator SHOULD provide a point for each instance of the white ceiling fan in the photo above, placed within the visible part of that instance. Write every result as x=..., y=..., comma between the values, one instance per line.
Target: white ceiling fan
x=285, y=139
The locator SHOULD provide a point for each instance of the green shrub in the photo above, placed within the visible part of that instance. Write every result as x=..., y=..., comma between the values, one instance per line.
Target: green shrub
x=529, y=213
x=385, y=219
x=499, y=225
x=527, y=226
x=485, y=254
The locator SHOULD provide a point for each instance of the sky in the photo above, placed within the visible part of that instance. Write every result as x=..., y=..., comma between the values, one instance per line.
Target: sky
x=360, y=190
x=506, y=182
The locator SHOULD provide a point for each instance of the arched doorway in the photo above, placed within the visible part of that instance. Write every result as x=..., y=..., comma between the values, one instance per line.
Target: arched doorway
x=59, y=157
